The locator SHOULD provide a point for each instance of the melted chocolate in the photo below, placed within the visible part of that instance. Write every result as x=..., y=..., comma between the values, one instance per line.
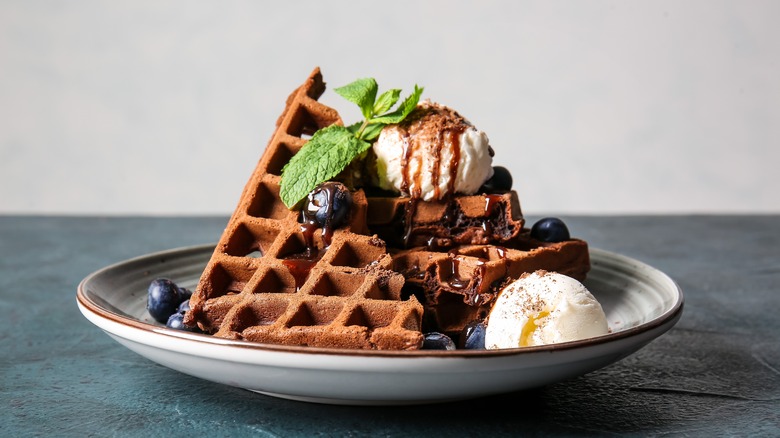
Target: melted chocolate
x=454, y=159
x=448, y=127
x=307, y=229
x=410, y=146
x=490, y=206
x=455, y=281
x=300, y=269
x=460, y=284
x=309, y=216
x=436, y=152
x=411, y=209
x=300, y=264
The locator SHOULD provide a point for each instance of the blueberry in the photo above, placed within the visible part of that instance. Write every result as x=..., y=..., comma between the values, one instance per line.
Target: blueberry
x=501, y=181
x=328, y=204
x=184, y=307
x=163, y=299
x=550, y=229
x=176, y=322
x=185, y=293
x=437, y=341
x=473, y=336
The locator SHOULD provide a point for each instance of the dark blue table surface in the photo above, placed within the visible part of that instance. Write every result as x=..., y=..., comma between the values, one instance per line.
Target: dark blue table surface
x=716, y=373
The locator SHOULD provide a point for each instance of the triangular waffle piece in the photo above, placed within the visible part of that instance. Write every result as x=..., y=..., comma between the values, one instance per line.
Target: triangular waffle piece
x=257, y=285
x=460, y=285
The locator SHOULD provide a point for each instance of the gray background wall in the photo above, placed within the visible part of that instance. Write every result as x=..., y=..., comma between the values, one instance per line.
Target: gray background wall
x=163, y=107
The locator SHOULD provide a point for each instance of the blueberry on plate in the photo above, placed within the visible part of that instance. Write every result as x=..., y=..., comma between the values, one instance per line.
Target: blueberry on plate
x=501, y=181
x=184, y=307
x=176, y=322
x=328, y=204
x=473, y=336
x=185, y=293
x=550, y=229
x=163, y=299
x=437, y=341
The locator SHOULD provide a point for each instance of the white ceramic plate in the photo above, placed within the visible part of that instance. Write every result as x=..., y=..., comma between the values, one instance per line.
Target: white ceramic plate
x=640, y=301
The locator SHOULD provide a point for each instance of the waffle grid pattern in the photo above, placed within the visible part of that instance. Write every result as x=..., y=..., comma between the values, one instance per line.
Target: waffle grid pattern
x=257, y=286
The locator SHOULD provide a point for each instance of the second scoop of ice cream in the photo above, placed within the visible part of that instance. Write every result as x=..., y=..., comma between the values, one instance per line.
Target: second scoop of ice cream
x=543, y=308
x=433, y=153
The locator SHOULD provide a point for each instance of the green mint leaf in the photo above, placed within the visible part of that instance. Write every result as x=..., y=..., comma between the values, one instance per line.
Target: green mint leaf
x=325, y=155
x=372, y=132
x=354, y=128
x=330, y=150
x=386, y=100
x=406, y=107
x=361, y=92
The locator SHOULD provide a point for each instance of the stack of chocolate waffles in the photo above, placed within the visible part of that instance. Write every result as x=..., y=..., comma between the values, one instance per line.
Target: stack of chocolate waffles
x=398, y=268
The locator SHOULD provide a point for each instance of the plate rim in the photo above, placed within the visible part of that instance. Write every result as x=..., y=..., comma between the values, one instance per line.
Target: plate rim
x=86, y=304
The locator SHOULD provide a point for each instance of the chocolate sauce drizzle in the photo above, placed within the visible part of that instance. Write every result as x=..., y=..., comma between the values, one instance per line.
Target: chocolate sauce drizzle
x=491, y=201
x=299, y=269
x=301, y=264
x=449, y=127
x=309, y=219
x=468, y=286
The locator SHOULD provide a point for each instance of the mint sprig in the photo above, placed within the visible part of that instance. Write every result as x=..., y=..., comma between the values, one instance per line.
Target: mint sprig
x=330, y=150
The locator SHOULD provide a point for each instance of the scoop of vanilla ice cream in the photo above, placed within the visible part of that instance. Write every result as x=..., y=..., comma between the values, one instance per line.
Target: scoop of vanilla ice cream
x=432, y=153
x=543, y=308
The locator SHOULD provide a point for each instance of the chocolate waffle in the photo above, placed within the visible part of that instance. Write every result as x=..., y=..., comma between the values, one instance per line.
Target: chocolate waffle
x=272, y=279
x=458, y=220
x=459, y=285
